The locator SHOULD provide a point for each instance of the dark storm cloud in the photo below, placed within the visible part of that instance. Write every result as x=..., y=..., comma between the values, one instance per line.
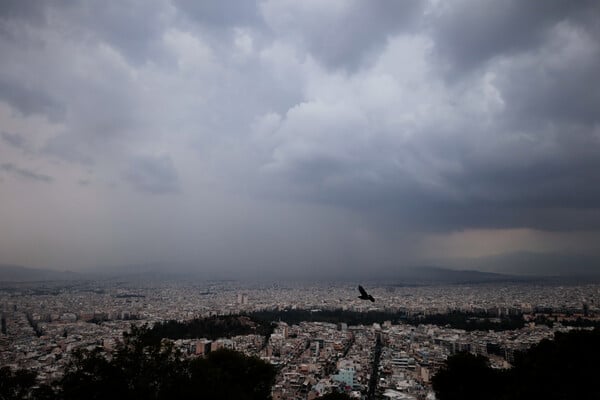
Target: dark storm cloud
x=559, y=91
x=361, y=120
x=22, y=10
x=69, y=148
x=24, y=173
x=14, y=140
x=225, y=13
x=545, y=181
x=131, y=27
x=342, y=34
x=542, y=196
x=30, y=100
x=154, y=175
x=467, y=33
x=516, y=147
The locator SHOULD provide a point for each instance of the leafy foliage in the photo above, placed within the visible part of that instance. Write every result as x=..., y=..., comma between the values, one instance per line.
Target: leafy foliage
x=454, y=319
x=212, y=328
x=142, y=370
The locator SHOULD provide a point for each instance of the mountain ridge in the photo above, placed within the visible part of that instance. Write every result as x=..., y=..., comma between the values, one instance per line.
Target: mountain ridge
x=534, y=264
x=19, y=273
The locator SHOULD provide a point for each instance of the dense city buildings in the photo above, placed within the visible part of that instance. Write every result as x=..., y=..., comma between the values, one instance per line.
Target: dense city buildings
x=43, y=323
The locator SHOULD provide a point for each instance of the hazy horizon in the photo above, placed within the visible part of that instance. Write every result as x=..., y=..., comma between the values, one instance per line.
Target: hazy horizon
x=280, y=137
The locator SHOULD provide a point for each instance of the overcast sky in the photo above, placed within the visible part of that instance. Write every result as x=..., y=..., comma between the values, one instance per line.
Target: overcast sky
x=313, y=135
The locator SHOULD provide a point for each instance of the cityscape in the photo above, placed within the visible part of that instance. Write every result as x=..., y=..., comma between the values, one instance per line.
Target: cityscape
x=44, y=323
x=299, y=200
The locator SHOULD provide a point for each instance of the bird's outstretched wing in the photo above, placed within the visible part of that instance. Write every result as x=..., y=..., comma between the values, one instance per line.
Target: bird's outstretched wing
x=362, y=291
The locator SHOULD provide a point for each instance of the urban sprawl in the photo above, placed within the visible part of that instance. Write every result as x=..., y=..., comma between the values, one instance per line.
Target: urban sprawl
x=43, y=323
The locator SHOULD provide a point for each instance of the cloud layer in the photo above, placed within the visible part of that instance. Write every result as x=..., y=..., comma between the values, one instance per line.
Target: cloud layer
x=283, y=133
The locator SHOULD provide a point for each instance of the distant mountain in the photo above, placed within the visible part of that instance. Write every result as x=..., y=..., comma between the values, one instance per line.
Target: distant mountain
x=133, y=272
x=438, y=275
x=129, y=269
x=410, y=275
x=521, y=266
x=533, y=264
x=16, y=273
x=157, y=271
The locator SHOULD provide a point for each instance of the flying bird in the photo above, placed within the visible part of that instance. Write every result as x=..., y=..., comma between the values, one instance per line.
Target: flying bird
x=364, y=295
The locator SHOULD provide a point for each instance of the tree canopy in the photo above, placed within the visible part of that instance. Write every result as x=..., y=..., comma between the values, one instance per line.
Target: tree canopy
x=559, y=369
x=139, y=369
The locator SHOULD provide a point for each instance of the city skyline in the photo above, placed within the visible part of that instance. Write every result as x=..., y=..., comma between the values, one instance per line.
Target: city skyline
x=319, y=137
x=323, y=338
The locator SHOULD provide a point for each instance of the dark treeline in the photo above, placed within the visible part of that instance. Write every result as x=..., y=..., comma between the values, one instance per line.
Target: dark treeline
x=582, y=323
x=334, y=396
x=130, y=296
x=471, y=321
x=260, y=322
x=332, y=316
x=34, y=325
x=577, y=323
x=214, y=327
x=454, y=319
x=99, y=319
x=140, y=370
x=559, y=369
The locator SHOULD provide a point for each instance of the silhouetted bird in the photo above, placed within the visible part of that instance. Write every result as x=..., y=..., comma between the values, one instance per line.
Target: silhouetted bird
x=364, y=295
